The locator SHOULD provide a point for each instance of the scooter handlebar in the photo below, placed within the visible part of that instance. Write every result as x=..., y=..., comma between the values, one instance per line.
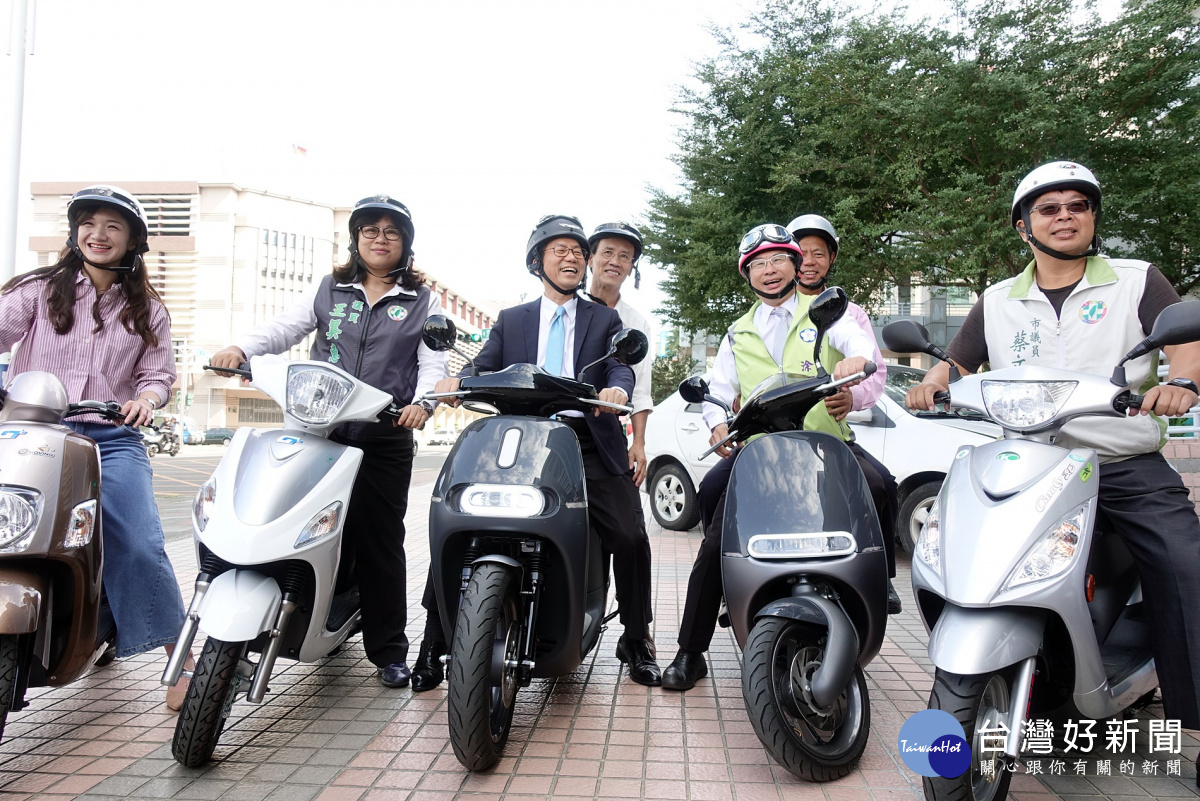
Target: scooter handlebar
x=941, y=396
x=1123, y=403
x=242, y=371
x=109, y=410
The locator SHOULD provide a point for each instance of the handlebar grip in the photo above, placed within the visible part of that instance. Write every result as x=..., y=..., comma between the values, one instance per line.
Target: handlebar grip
x=870, y=367
x=941, y=396
x=242, y=371
x=1124, y=403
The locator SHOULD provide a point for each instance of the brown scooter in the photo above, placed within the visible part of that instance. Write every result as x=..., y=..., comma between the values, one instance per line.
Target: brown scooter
x=50, y=544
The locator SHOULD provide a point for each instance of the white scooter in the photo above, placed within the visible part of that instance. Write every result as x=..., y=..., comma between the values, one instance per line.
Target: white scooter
x=1011, y=576
x=268, y=531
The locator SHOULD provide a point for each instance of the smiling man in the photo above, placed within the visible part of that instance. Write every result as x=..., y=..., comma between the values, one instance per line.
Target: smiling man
x=1074, y=309
x=560, y=333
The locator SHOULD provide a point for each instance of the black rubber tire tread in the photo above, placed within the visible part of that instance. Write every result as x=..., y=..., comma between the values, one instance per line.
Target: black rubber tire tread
x=202, y=717
x=773, y=729
x=924, y=492
x=690, y=516
x=469, y=693
x=960, y=696
x=10, y=656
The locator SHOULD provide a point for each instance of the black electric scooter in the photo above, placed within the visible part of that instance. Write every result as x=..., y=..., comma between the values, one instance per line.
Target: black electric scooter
x=521, y=580
x=803, y=569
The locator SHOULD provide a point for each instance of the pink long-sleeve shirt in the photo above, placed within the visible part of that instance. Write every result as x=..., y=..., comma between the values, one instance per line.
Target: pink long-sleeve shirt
x=864, y=394
x=110, y=364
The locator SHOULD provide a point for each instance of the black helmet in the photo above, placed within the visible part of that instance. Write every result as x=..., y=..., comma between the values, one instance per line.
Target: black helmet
x=622, y=230
x=384, y=204
x=89, y=199
x=549, y=228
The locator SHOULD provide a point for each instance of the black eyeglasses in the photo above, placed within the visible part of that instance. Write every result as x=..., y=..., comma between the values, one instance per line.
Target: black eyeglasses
x=562, y=250
x=764, y=233
x=1052, y=209
x=373, y=231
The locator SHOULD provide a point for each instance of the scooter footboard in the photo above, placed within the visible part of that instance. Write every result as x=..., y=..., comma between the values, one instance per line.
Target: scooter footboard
x=239, y=605
x=971, y=641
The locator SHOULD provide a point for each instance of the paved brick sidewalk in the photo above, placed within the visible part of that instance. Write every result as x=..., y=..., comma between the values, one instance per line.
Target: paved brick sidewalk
x=331, y=731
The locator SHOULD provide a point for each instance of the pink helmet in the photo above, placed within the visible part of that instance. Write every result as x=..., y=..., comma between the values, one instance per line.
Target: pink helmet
x=766, y=237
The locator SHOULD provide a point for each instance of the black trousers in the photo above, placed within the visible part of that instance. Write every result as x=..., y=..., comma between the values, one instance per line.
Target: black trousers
x=703, y=602
x=1144, y=500
x=615, y=514
x=373, y=543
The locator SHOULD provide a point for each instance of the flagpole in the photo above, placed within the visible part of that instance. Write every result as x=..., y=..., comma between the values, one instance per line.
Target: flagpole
x=10, y=181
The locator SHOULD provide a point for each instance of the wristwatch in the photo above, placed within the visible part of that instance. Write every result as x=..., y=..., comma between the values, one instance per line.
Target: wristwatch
x=1185, y=383
x=428, y=406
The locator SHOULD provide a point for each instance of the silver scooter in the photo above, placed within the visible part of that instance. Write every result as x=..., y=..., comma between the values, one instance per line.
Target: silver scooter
x=1010, y=575
x=268, y=532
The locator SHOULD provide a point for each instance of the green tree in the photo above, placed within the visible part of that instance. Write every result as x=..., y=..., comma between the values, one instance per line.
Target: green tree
x=666, y=372
x=911, y=137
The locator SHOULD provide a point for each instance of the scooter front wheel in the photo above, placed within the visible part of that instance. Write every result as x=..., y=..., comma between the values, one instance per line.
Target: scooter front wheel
x=979, y=703
x=207, y=704
x=817, y=745
x=10, y=656
x=483, y=676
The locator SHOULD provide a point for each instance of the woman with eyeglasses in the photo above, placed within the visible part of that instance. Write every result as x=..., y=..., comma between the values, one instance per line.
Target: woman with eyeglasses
x=368, y=317
x=94, y=320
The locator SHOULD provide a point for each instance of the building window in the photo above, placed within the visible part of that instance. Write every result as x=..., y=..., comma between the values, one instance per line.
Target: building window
x=259, y=410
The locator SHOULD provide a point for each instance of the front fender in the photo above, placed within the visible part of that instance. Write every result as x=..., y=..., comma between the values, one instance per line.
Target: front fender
x=841, y=650
x=970, y=641
x=239, y=605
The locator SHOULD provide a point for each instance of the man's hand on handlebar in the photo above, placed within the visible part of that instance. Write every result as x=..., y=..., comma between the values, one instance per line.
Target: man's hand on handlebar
x=610, y=395
x=921, y=397
x=1166, y=400
x=448, y=385
x=411, y=416
x=849, y=367
x=719, y=433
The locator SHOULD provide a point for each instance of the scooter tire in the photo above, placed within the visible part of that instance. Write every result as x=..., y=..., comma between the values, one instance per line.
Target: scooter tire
x=817, y=746
x=486, y=634
x=10, y=658
x=207, y=704
x=972, y=700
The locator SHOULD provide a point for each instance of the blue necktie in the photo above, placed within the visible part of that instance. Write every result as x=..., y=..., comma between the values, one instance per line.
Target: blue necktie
x=556, y=342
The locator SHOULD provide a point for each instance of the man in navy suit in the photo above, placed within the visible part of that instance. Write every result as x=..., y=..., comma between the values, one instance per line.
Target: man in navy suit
x=561, y=333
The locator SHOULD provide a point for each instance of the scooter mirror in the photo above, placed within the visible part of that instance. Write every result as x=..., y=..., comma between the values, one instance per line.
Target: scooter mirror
x=1177, y=324
x=439, y=333
x=630, y=346
x=693, y=389
x=825, y=310
x=906, y=336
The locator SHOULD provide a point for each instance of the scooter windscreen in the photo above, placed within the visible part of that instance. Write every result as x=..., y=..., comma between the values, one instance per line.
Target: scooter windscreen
x=798, y=495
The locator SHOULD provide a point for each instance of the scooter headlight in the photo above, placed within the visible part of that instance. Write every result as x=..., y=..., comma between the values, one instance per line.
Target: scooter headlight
x=20, y=510
x=324, y=522
x=315, y=394
x=1052, y=554
x=929, y=544
x=502, y=500
x=83, y=523
x=206, y=499
x=1021, y=405
x=800, y=546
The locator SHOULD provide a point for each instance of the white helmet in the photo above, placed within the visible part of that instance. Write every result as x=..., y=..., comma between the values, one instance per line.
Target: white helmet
x=815, y=225
x=1047, y=178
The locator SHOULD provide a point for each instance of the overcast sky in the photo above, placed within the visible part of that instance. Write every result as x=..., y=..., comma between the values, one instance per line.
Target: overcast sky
x=481, y=116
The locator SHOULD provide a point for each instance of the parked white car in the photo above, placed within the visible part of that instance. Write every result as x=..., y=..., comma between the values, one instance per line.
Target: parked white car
x=917, y=449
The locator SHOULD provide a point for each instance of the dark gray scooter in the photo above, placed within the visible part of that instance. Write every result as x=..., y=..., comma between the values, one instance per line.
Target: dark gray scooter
x=803, y=568
x=521, y=580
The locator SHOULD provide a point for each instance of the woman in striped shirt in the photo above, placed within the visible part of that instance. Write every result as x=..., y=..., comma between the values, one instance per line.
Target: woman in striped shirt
x=94, y=320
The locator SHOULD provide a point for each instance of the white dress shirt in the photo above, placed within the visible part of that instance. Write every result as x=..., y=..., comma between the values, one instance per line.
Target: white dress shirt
x=548, y=309
x=845, y=336
x=632, y=318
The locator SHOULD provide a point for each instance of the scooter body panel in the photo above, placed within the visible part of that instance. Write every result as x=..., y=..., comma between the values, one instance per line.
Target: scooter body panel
x=536, y=452
x=249, y=525
x=64, y=469
x=803, y=483
x=999, y=637
x=240, y=605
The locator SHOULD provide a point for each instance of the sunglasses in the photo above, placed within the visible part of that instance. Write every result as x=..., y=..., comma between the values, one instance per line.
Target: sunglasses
x=1052, y=209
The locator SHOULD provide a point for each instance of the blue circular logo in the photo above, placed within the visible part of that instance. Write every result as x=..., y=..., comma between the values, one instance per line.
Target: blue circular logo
x=932, y=743
x=808, y=335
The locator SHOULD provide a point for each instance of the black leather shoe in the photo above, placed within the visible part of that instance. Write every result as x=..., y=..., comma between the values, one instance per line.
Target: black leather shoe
x=427, y=671
x=894, y=606
x=396, y=674
x=642, y=667
x=687, y=669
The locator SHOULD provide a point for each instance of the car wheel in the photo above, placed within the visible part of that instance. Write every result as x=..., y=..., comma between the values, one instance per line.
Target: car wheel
x=914, y=511
x=673, y=499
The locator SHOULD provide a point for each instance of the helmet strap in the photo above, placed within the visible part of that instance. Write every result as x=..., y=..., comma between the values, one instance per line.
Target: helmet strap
x=1093, y=249
x=128, y=264
x=540, y=273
